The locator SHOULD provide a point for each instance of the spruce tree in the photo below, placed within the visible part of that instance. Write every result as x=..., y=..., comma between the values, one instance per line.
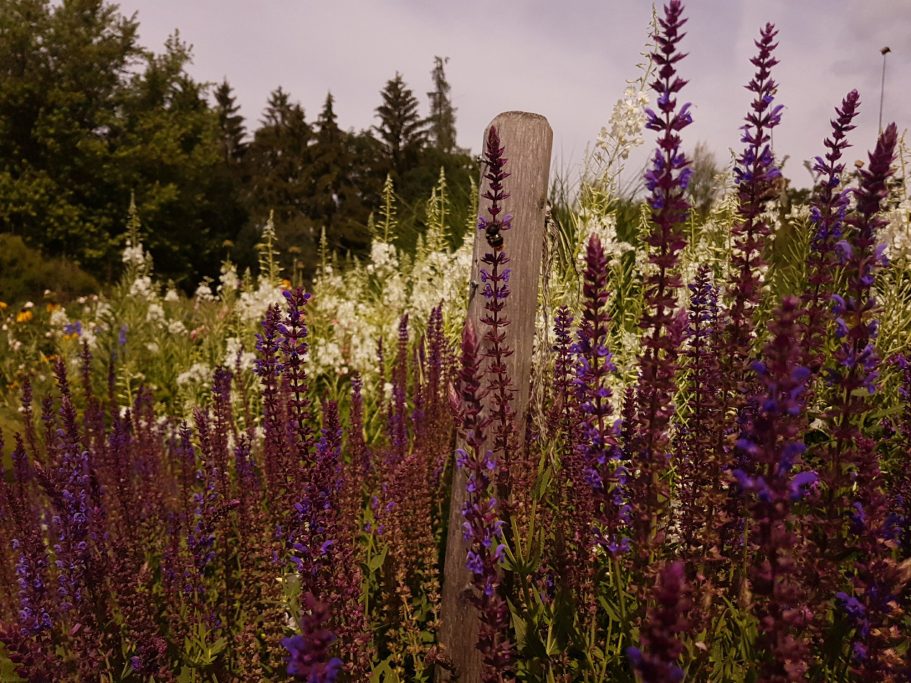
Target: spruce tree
x=278, y=162
x=167, y=150
x=344, y=182
x=442, y=113
x=402, y=131
x=230, y=124
x=330, y=160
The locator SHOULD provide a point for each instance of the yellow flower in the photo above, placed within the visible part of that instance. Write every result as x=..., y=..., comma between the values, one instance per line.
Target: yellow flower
x=23, y=316
x=52, y=307
x=3, y=305
x=286, y=284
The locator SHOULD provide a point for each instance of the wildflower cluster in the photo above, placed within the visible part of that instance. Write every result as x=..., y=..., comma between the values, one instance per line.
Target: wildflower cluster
x=711, y=480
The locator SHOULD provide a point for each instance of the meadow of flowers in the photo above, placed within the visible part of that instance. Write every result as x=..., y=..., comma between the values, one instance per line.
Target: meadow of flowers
x=712, y=483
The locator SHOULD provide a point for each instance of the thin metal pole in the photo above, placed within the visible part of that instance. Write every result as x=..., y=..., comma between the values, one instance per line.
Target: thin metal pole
x=882, y=88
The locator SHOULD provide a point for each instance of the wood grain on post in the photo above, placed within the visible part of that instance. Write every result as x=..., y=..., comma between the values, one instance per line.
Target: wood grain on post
x=527, y=140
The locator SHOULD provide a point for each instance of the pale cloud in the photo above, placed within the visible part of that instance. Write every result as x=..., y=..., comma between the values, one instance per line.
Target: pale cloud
x=568, y=61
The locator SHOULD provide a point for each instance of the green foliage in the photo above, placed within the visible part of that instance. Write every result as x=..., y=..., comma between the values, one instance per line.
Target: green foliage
x=401, y=129
x=230, y=124
x=26, y=274
x=442, y=130
x=89, y=116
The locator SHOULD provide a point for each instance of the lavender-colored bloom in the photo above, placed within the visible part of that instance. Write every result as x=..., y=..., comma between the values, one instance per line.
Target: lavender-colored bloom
x=657, y=660
x=495, y=276
x=701, y=460
x=756, y=175
x=560, y=419
x=360, y=454
x=900, y=481
x=482, y=527
x=398, y=425
x=269, y=367
x=31, y=567
x=294, y=347
x=122, y=335
x=596, y=448
x=771, y=446
x=853, y=474
x=309, y=652
x=662, y=324
x=201, y=537
x=74, y=327
x=316, y=523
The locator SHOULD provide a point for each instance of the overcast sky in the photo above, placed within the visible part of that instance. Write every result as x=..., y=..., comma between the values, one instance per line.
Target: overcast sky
x=567, y=60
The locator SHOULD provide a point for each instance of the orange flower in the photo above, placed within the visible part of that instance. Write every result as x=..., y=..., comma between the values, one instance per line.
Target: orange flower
x=3, y=305
x=52, y=307
x=23, y=316
x=286, y=283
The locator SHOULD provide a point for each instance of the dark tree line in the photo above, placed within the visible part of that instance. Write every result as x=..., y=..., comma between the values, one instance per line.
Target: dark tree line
x=88, y=116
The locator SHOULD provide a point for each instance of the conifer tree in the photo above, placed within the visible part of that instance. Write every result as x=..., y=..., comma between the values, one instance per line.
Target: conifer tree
x=279, y=166
x=230, y=124
x=330, y=159
x=339, y=204
x=401, y=130
x=278, y=159
x=442, y=113
x=88, y=116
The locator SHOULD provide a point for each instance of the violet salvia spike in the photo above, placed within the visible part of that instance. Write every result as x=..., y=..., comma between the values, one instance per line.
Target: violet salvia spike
x=900, y=485
x=700, y=465
x=32, y=563
x=494, y=276
x=293, y=330
x=28, y=418
x=755, y=174
x=399, y=423
x=316, y=512
x=666, y=180
x=70, y=432
x=657, y=659
x=853, y=477
x=436, y=342
x=773, y=479
x=482, y=526
x=223, y=427
x=357, y=448
x=29, y=641
x=560, y=419
x=827, y=213
x=597, y=447
x=310, y=657
x=856, y=371
x=269, y=367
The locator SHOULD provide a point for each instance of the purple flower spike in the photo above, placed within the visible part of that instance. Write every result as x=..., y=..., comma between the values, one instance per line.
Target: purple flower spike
x=658, y=658
x=309, y=658
x=482, y=527
x=663, y=325
x=827, y=213
x=495, y=276
x=852, y=474
x=596, y=456
x=701, y=463
x=770, y=449
x=756, y=175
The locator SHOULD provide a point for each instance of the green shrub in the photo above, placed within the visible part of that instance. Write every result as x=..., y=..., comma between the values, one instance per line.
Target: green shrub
x=26, y=274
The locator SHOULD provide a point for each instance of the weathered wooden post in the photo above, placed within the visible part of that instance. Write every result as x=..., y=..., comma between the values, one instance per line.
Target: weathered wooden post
x=527, y=139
